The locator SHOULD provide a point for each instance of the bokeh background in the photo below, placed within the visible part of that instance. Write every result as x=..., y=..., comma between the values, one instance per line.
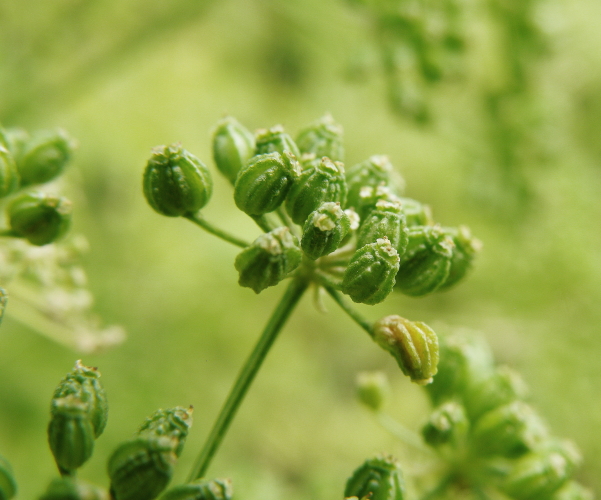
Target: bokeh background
x=510, y=146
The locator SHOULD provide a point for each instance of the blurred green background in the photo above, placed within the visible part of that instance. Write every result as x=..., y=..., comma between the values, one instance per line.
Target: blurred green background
x=125, y=75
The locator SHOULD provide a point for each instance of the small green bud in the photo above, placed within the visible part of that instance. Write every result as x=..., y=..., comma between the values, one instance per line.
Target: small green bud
x=233, y=146
x=369, y=196
x=174, y=423
x=465, y=362
x=275, y=140
x=70, y=433
x=83, y=383
x=426, y=262
x=373, y=172
x=322, y=138
x=45, y=157
x=9, y=176
x=503, y=387
x=263, y=184
x=416, y=213
x=201, y=489
x=538, y=475
x=369, y=276
x=270, y=258
x=464, y=252
x=510, y=430
x=40, y=218
x=3, y=302
x=573, y=491
x=385, y=220
x=140, y=469
x=8, y=485
x=413, y=344
x=176, y=182
x=320, y=183
x=379, y=478
x=373, y=389
x=448, y=424
x=324, y=230
x=68, y=488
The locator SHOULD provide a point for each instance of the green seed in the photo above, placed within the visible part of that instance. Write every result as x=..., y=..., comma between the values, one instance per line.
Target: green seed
x=426, y=262
x=322, y=138
x=324, y=230
x=40, y=218
x=201, y=489
x=275, y=140
x=448, y=424
x=176, y=182
x=263, y=184
x=379, y=478
x=413, y=344
x=173, y=422
x=45, y=157
x=83, y=382
x=373, y=172
x=68, y=488
x=373, y=389
x=70, y=433
x=270, y=258
x=320, y=183
x=140, y=469
x=386, y=219
x=233, y=147
x=369, y=276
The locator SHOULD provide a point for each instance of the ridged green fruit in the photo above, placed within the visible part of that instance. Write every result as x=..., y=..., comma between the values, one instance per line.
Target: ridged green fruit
x=324, y=230
x=426, y=262
x=323, y=182
x=233, y=147
x=373, y=172
x=9, y=176
x=83, y=383
x=140, y=469
x=40, y=218
x=504, y=386
x=8, y=485
x=379, y=478
x=275, y=140
x=369, y=276
x=510, y=431
x=385, y=220
x=413, y=344
x=447, y=425
x=201, y=489
x=464, y=252
x=70, y=433
x=263, y=184
x=175, y=182
x=173, y=423
x=538, y=475
x=466, y=361
x=416, y=213
x=270, y=258
x=45, y=157
x=322, y=138
x=369, y=196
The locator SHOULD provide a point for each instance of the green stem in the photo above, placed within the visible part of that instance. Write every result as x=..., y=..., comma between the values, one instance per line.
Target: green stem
x=342, y=302
x=401, y=432
x=291, y=297
x=262, y=222
x=200, y=221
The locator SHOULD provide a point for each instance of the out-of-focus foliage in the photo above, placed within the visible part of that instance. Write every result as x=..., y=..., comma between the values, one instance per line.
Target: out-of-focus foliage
x=125, y=75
